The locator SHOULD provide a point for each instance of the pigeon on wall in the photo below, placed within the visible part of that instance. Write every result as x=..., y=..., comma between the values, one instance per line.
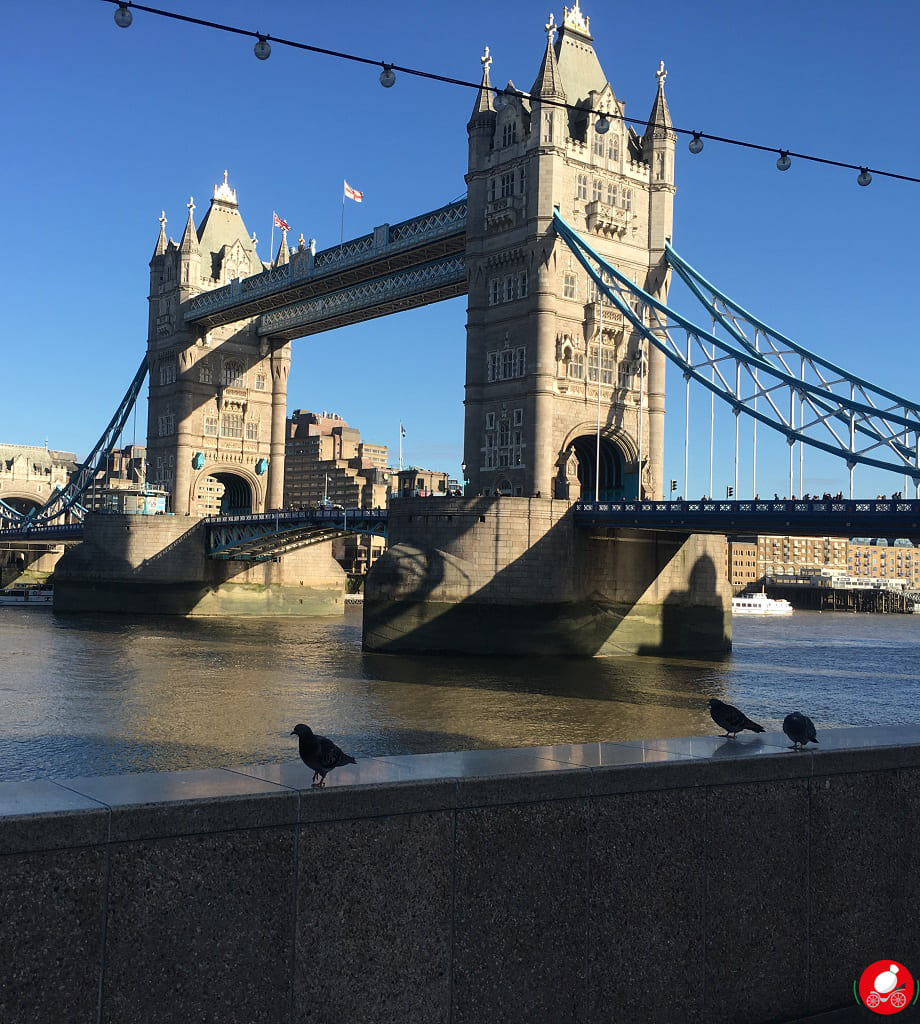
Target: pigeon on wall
x=800, y=729
x=319, y=753
x=729, y=718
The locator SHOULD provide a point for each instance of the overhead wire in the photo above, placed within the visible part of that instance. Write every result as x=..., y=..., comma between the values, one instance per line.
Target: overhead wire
x=387, y=66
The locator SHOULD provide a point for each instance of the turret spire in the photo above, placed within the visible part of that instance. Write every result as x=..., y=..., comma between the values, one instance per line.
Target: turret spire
x=483, y=103
x=548, y=82
x=189, y=243
x=284, y=254
x=161, y=240
x=660, y=117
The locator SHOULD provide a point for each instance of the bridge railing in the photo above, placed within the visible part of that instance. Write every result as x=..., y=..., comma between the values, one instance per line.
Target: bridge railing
x=795, y=506
x=320, y=515
x=385, y=240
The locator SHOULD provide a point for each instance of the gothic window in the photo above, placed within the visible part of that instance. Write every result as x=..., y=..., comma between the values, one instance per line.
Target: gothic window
x=611, y=194
x=507, y=364
x=495, y=291
x=231, y=424
x=260, y=382
x=659, y=166
x=518, y=417
x=507, y=185
x=492, y=190
x=166, y=424
x=522, y=179
x=581, y=182
x=547, y=127
x=625, y=377
x=613, y=148
x=592, y=364
x=168, y=370
x=522, y=285
x=607, y=366
x=205, y=376
x=520, y=361
x=627, y=198
x=568, y=285
x=252, y=430
x=599, y=145
x=233, y=374
x=490, y=421
x=509, y=133
x=597, y=190
x=577, y=366
x=492, y=367
x=508, y=293
x=503, y=365
x=210, y=426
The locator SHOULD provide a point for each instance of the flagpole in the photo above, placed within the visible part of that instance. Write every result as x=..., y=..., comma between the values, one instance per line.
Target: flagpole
x=271, y=247
x=400, y=444
x=342, y=232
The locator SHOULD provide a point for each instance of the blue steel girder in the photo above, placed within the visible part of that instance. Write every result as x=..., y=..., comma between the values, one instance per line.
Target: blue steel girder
x=838, y=412
x=891, y=519
x=67, y=500
x=409, y=288
x=268, y=535
x=389, y=248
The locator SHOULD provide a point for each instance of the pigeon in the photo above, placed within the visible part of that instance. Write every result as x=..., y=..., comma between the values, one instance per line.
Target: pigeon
x=800, y=729
x=319, y=753
x=729, y=718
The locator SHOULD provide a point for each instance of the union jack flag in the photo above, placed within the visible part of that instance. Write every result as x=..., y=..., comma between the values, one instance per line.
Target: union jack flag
x=283, y=224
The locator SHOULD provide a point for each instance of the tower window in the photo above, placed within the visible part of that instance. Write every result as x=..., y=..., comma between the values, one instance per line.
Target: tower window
x=611, y=194
x=597, y=190
x=232, y=375
x=205, y=376
x=577, y=366
x=231, y=424
x=627, y=198
x=581, y=182
x=210, y=426
x=613, y=148
x=599, y=145
x=252, y=430
x=522, y=179
x=507, y=185
x=522, y=285
x=168, y=370
x=260, y=382
x=548, y=128
x=568, y=285
x=509, y=133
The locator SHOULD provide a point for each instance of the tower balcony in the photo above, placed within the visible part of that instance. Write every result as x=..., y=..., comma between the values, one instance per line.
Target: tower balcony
x=504, y=213
x=606, y=220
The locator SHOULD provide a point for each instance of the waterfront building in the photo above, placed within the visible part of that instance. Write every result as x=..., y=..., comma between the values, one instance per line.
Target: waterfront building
x=327, y=461
x=29, y=474
x=753, y=559
x=413, y=482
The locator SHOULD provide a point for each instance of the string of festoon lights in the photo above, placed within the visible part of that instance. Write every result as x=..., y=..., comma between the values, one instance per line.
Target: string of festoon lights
x=501, y=97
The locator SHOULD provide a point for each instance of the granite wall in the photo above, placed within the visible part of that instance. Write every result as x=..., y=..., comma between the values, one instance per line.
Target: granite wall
x=666, y=881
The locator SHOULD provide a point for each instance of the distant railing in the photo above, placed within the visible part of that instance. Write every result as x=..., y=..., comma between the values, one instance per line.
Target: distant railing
x=384, y=241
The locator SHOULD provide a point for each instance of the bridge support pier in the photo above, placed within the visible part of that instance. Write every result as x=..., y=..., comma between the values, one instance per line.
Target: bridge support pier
x=514, y=576
x=157, y=565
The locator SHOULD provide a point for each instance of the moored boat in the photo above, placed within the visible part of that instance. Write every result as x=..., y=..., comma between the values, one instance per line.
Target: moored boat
x=760, y=604
x=27, y=597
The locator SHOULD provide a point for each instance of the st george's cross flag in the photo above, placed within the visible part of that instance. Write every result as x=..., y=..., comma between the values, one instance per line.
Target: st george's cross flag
x=283, y=224
x=352, y=193
x=402, y=430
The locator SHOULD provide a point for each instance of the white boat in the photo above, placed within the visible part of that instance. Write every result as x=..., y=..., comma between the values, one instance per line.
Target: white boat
x=760, y=604
x=27, y=597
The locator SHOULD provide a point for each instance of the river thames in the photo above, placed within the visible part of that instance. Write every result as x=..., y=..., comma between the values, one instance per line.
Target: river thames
x=102, y=695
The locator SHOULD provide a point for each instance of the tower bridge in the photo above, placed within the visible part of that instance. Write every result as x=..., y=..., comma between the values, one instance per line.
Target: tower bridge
x=563, y=248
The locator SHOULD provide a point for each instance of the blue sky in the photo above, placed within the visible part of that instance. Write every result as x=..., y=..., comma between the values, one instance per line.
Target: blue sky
x=105, y=127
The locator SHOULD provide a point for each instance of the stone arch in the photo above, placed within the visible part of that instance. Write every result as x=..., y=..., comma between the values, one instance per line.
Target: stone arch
x=226, y=490
x=24, y=501
x=578, y=466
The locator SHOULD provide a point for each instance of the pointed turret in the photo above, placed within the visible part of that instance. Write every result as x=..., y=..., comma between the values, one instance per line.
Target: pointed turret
x=161, y=240
x=548, y=83
x=284, y=254
x=660, y=126
x=189, y=244
x=483, y=105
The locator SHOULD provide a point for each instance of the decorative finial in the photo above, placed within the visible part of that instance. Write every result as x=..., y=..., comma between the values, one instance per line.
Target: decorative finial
x=661, y=74
x=573, y=18
x=225, y=177
x=301, y=244
x=191, y=205
x=550, y=27
x=255, y=240
x=485, y=60
x=162, y=220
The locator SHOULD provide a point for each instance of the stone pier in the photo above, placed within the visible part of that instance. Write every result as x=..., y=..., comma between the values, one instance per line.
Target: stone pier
x=158, y=565
x=514, y=576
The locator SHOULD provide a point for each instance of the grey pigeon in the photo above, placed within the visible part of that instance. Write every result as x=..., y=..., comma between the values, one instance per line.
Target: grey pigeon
x=800, y=729
x=319, y=753
x=729, y=718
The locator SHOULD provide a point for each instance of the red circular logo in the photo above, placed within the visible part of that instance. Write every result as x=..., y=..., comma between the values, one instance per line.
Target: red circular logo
x=886, y=987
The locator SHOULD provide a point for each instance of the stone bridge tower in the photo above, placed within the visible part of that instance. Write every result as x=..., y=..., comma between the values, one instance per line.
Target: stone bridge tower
x=217, y=402
x=539, y=343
